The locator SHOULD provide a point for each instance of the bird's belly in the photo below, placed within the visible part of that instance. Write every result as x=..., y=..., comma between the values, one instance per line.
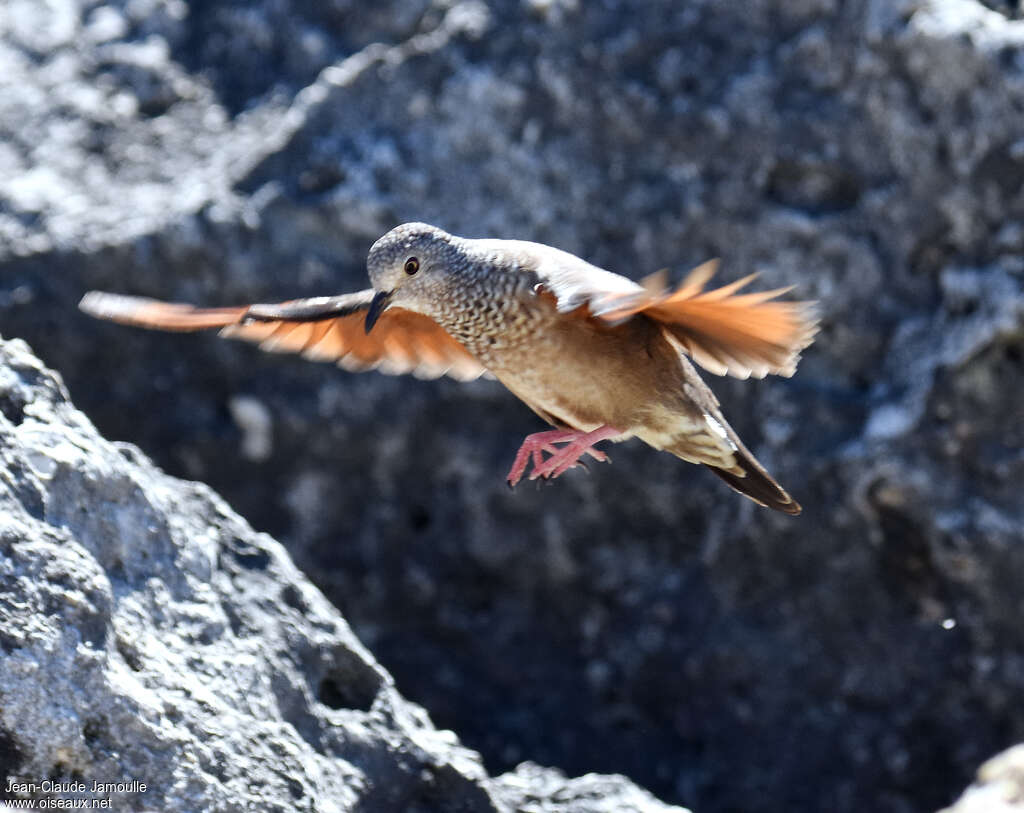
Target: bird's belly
x=579, y=376
x=564, y=399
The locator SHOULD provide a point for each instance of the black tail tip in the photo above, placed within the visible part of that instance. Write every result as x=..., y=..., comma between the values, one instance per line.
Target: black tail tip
x=756, y=484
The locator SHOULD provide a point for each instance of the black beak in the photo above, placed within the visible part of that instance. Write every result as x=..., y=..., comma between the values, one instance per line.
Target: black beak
x=378, y=305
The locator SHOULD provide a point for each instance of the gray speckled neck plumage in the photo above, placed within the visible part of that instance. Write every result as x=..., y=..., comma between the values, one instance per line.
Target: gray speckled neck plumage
x=491, y=302
x=480, y=291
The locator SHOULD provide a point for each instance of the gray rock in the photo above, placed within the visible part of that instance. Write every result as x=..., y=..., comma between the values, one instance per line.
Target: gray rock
x=150, y=637
x=641, y=620
x=999, y=787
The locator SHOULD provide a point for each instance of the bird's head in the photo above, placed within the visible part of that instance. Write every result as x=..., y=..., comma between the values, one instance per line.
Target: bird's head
x=410, y=267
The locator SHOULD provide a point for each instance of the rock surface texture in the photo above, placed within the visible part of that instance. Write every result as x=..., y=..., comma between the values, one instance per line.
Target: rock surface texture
x=999, y=787
x=149, y=635
x=640, y=620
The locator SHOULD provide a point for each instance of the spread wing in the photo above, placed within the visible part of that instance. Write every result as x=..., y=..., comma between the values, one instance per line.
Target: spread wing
x=322, y=328
x=725, y=332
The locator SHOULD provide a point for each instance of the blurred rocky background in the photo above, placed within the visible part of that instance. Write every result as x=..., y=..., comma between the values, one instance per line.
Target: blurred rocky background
x=641, y=619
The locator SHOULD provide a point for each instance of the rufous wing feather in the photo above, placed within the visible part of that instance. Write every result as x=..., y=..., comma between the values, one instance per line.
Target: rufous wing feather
x=152, y=313
x=322, y=329
x=724, y=331
x=727, y=332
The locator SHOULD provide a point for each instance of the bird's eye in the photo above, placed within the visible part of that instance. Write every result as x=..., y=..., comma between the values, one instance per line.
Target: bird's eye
x=412, y=265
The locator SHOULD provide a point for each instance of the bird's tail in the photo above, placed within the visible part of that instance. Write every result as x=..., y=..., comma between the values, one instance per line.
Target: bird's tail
x=719, y=448
x=756, y=483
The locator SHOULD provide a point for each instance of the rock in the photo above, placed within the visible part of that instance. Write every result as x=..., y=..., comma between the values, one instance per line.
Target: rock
x=999, y=787
x=151, y=638
x=641, y=620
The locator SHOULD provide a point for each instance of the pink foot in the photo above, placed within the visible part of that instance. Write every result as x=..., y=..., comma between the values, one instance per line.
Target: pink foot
x=561, y=460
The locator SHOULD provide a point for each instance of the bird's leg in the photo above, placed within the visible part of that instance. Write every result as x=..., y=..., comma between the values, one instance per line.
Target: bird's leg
x=533, y=445
x=561, y=460
x=578, y=444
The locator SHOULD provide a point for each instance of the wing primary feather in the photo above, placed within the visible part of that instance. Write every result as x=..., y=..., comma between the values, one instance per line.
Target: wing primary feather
x=725, y=291
x=152, y=313
x=321, y=328
x=699, y=277
x=739, y=334
x=727, y=332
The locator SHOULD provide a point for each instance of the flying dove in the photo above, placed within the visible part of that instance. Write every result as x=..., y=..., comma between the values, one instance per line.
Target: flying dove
x=597, y=356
